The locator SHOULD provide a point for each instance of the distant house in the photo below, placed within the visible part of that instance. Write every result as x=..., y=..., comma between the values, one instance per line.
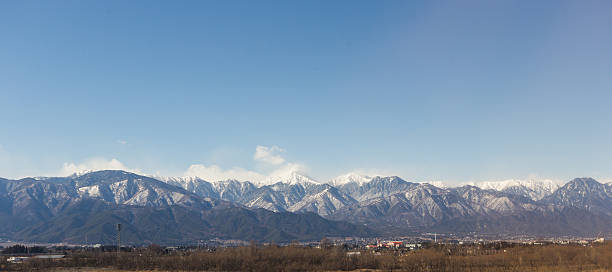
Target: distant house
x=394, y=244
x=17, y=259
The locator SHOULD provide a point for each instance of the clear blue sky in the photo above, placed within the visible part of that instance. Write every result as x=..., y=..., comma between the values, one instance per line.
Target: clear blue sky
x=429, y=90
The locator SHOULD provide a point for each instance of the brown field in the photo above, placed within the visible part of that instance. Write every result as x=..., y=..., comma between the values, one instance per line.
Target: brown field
x=296, y=258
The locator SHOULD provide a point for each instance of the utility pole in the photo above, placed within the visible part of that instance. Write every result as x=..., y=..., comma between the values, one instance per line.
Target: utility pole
x=118, y=239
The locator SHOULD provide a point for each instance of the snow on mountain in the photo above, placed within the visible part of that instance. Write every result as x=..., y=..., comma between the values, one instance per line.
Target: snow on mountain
x=377, y=187
x=533, y=188
x=324, y=203
x=323, y=199
x=584, y=193
x=350, y=178
x=233, y=190
x=413, y=205
x=583, y=205
x=437, y=183
x=126, y=188
x=491, y=200
x=294, y=192
x=291, y=178
x=192, y=184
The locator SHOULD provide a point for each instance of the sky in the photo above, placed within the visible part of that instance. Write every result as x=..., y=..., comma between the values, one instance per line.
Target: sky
x=449, y=91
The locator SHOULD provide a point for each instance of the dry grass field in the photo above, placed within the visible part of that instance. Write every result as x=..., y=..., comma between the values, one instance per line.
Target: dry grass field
x=556, y=258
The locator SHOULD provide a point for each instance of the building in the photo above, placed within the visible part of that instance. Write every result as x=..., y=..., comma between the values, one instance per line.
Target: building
x=17, y=259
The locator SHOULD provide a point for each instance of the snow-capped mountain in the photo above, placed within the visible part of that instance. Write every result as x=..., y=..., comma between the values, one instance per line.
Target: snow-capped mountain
x=418, y=205
x=192, y=184
x=424, y=205
x=585, y=193
x=581, y=206
x=27, y=202
x=90, y=205
x=233, y=190
x=350, y=178
x=535, y=189
x=488, y=201
x=291, y=178
x=320, y=198
x=325, y=202
x=295, y=192
x=120, y=187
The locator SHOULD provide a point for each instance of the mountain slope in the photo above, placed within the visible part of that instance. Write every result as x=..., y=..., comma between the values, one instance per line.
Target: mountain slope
x=120, y=187
x=94, y=221
x=422, y=205
x=376, y=187
x=583, y=193
x=535, y=189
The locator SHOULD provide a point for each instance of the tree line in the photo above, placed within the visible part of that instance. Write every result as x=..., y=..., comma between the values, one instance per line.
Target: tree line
x=300, y=258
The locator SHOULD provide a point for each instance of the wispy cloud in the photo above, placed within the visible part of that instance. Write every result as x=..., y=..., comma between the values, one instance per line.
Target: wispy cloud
x=216, y=173
x=270, y=155
x=94, y=164
x=278, y=166
x=122, y=142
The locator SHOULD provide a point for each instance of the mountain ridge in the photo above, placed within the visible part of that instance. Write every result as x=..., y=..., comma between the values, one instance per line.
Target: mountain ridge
x=387, y=204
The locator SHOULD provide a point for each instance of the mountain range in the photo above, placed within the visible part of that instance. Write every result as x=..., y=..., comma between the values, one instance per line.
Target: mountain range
x=86, y=207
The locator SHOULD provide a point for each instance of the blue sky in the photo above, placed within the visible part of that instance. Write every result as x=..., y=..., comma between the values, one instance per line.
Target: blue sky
x=428, y=90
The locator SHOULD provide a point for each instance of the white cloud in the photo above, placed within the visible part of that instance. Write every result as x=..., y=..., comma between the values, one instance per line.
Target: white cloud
x=94, y=164
x=278, y=167
x=269, y=155
x=122, y=142
x=604, y=179
x=287, y=169
x=216, y=173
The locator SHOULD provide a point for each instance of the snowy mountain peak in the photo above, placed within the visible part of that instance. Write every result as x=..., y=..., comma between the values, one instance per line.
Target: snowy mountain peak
x=584, y=182
x=350, y=178
x=292, y=178
x=180, y=180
